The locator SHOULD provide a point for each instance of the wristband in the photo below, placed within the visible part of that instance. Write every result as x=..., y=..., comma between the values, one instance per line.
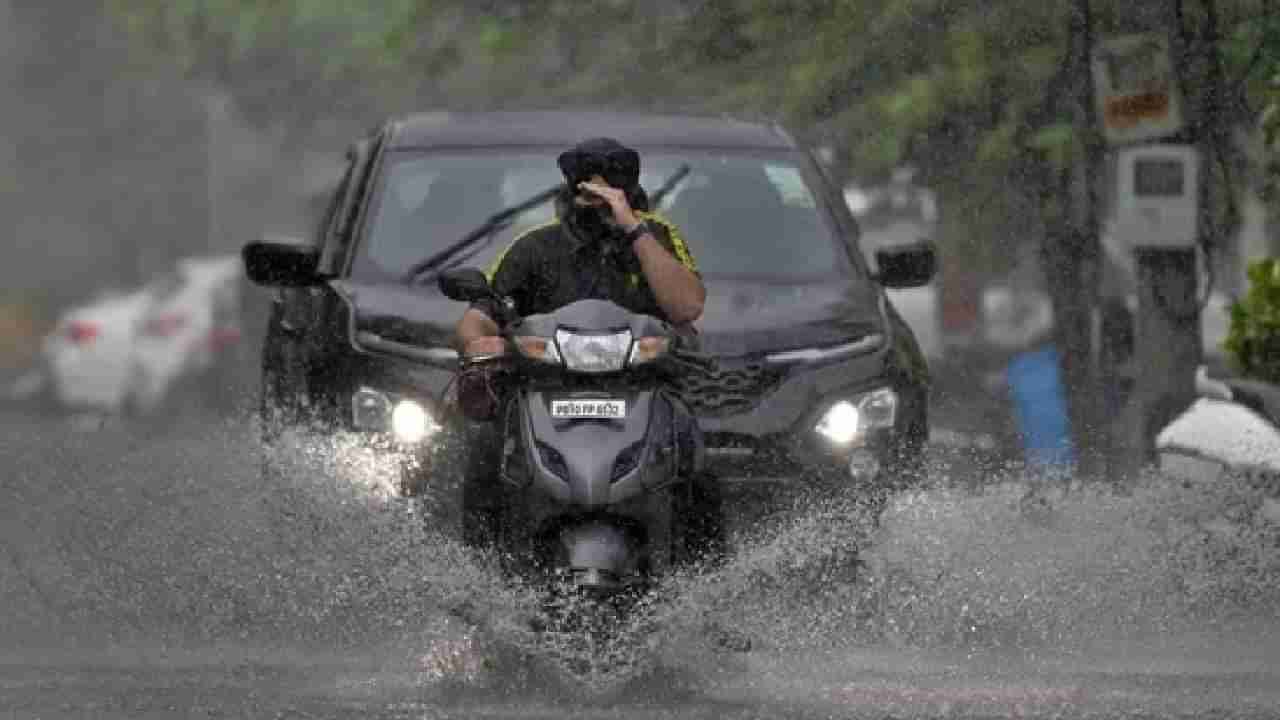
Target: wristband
x=634, y=233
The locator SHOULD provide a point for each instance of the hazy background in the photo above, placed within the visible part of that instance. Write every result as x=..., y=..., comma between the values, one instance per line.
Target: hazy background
x=136, y=132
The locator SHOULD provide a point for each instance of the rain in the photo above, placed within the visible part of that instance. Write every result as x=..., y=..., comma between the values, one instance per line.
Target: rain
x=1089, y=525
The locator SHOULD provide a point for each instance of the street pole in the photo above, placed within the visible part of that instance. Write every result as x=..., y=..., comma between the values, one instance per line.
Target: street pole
x=1093, y=455
x=1072, y=258
x=1167, y=340
x=1168, y=336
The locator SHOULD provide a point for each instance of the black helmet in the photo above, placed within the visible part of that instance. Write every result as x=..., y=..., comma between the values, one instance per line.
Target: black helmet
x=618, y=164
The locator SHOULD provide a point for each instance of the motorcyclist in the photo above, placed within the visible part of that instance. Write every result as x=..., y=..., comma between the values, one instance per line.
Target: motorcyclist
x=604, y=244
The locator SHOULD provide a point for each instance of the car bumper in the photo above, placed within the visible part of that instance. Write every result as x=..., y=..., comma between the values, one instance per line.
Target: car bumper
x=88, y=380
x=774, y=441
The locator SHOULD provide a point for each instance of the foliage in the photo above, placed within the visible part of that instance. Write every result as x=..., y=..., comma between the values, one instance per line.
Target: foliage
x=1253, y=340
x=279, y=58
x=1269, y=124
x=973, y=94
x=1270, y=118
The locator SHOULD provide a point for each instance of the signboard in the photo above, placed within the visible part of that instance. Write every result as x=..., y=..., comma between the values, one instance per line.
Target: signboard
x=1136, y=89
x=1157, y=198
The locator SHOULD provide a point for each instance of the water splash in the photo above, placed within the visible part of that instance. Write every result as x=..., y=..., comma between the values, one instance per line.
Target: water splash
x=190, y=542
x=1005, y=565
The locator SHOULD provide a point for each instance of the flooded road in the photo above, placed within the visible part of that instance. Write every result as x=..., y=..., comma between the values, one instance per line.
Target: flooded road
x=240, y=683
x=151, y=571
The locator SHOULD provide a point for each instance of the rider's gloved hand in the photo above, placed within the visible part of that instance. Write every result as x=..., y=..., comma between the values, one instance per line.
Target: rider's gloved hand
x=478, y=380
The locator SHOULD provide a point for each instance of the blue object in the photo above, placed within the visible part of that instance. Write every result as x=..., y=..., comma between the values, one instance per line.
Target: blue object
x=1040, y=407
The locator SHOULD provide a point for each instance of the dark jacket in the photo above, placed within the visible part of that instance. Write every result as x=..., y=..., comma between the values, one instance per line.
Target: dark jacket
x=551, y=266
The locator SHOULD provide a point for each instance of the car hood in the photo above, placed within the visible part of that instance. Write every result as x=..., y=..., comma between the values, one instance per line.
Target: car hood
x=745, y=317
x=419, y=316
x=740, y=317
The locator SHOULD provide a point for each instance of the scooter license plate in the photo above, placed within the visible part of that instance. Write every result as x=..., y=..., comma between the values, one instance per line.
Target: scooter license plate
x=589, y=409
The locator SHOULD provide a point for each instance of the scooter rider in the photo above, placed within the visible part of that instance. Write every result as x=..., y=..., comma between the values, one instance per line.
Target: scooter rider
x=605, y=244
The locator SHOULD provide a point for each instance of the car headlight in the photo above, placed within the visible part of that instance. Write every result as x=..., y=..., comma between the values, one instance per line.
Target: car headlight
x=407, y=420
x=410, y=422
x=849, y=420
x=594, y=353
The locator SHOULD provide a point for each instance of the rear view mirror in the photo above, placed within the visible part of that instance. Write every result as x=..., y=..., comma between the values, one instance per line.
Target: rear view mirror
x=465, y=285
x=907, y=266
x=281, y=264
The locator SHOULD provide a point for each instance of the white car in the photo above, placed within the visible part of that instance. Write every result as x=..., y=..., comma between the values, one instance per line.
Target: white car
x=88, y=356
x=192, y=323
x=129, y=351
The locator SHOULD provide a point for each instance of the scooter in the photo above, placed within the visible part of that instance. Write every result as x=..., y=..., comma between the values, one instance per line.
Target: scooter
x=598, y=458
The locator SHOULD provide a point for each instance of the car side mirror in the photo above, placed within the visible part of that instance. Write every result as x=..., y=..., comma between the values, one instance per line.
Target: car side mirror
x=907, y=266
x=464, y=285
x=281, y=264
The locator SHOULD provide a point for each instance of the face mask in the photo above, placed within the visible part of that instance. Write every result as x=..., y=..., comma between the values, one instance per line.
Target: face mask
x=592, y=222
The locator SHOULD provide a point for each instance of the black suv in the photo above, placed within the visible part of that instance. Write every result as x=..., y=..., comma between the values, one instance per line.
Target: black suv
x=816, y=374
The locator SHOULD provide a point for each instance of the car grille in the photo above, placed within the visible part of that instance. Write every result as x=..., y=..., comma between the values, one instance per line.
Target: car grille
x=727, y=390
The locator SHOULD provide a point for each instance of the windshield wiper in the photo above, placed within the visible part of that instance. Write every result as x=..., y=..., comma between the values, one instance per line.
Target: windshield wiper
x=448, y=257
x=656, y=198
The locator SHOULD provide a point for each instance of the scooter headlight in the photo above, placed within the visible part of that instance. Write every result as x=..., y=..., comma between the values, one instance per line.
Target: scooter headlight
x=595, y=353
x=848, y=421
x=648, y=349
x=538, y=348
x=407, y=420
x=411, y=423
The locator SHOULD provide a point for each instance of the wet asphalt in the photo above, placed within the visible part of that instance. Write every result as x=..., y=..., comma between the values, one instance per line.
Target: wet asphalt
x=69, y=649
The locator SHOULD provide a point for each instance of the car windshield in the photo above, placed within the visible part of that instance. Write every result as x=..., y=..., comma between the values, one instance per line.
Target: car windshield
x=742, y=214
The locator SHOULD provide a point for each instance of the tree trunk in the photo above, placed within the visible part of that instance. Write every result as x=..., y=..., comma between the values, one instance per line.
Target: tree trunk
x=1071, y=258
